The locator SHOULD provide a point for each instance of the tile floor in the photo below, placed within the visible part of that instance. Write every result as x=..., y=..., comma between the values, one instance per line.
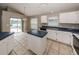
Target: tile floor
x=57, y=48
x=53, y=47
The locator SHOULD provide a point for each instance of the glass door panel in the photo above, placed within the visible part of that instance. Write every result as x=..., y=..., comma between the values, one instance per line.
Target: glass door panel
x=15, y=25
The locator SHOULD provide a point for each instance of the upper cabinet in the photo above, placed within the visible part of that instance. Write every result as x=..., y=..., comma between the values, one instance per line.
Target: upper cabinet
x=77, y=21
x=69, y=17
x=44, y=19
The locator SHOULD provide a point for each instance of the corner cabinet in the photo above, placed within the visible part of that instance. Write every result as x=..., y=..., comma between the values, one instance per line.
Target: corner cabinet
x=69, y=17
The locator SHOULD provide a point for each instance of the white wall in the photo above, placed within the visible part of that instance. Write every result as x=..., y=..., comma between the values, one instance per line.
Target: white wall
x=48, y=15
x=6, y=15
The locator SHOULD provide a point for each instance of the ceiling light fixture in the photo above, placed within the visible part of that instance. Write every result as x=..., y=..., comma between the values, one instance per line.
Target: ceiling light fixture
x=43, y=4
x=51, y=11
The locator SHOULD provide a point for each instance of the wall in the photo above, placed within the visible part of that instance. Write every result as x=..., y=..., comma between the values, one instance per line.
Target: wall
x=26, y=24
x=6, y=15
x=75, y=26
x=39, y=18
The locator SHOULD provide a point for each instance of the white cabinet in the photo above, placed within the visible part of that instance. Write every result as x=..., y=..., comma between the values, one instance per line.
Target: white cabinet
x=68, y=17
x=3, y=47
x=11, y=43
x=64, y=37
x=60, y=36
x=77, y=21
x=6, y=45
x=44, y=19
x=51, y=34
x=36, y=44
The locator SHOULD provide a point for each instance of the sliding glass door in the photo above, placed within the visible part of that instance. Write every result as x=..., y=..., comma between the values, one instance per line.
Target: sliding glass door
x=15, y=25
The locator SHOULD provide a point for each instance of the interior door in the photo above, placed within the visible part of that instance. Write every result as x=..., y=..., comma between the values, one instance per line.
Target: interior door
x=34, y=23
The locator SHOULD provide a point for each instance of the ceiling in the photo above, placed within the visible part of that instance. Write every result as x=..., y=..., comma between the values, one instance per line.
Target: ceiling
x=31, y=9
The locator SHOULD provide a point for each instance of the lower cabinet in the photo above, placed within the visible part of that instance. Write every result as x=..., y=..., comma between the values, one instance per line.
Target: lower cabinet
x=3, y=47
x=6, y=45
x=37, y=44
x=64, y=37
x=51, y=34
x=11, y=43
x=60, y=36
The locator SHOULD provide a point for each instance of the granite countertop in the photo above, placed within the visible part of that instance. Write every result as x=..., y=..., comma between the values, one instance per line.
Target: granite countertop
x=63, y=29
x=74, y=31
x=76, y=35
x=38, y=33
x=4, y=35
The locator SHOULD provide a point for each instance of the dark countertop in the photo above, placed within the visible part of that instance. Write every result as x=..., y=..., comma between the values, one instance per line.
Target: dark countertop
x=64, y=29
x=4, y=35
x=37, y=33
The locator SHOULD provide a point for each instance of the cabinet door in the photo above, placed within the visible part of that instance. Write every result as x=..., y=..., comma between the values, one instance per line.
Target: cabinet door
x=51, y=34
x=77, y=20
x=69, y=17
x=36, y=44
x=64, y=37
x=11, y=43
x=3, y=47
x=44, y=19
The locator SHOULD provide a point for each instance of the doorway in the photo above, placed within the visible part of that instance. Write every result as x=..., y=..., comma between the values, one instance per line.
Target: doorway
x=16, y=25
x=34, y=24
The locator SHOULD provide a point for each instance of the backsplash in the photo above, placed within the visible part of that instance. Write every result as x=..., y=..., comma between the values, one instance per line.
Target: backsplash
x=74, y=26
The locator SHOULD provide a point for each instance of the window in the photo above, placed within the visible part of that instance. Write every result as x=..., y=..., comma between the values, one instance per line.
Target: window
x=34, y=23
x=53, y=21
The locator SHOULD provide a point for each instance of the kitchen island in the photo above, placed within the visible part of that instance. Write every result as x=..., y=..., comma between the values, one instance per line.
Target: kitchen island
x=37, y=41
x=6, y=42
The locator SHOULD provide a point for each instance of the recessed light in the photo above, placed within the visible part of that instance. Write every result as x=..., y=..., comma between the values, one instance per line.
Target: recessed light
x=43, y=4
x=51, y=11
